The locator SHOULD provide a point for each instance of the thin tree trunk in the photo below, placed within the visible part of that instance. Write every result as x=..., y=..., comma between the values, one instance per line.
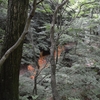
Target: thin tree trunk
x=52, y=51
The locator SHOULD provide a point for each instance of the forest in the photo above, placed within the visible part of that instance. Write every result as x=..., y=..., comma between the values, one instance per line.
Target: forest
x=49, y=50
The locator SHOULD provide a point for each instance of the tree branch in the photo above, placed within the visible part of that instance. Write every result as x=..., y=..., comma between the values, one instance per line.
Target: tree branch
x=39, y=2
x=52, y=51
x=53, y=24
x=25, y=31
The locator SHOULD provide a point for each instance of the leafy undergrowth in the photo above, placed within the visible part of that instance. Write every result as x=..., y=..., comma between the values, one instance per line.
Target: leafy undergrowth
x=77, y=80
x=80, y=83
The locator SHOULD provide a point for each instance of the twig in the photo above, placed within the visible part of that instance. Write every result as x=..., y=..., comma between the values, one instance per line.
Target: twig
x=39, y=2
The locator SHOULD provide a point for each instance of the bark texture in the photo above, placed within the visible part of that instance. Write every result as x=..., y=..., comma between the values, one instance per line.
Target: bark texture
x=52, y=51
x=9, y=72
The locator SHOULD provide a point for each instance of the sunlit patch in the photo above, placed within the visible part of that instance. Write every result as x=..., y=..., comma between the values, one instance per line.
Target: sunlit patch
x=32, y=77
x=42, y=61
x=30, y=68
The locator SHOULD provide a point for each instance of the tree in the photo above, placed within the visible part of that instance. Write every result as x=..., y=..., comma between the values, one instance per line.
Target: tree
x=15, y=36
x=53, y=46
x=9, y=71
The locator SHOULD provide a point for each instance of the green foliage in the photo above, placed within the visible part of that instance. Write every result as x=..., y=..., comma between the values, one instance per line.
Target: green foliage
x=47, y=26
x=25, y=84
x=82, y=80
x=3, y=2
x=40, y=41
x=44, y=8
x=27, y=56
x=64, y=38
x=78, y=81
x=73, y=99
x=1, y=35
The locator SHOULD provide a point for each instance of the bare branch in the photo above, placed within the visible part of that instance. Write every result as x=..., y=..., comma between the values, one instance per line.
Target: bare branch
x=39, y=2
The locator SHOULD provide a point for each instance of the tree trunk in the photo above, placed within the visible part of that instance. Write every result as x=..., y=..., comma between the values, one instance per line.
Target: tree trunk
x=9, y=74
x=53, y=79
x=52, y=51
